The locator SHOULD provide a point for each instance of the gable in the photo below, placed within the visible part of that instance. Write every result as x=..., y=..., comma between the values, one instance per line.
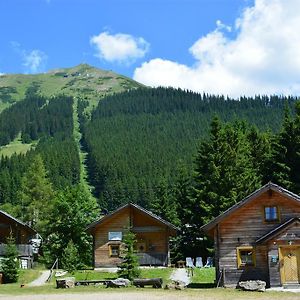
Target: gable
x=253, y=205
x=131, y=215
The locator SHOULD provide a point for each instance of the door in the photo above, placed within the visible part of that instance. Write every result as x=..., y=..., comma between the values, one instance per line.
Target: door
x=290, y=265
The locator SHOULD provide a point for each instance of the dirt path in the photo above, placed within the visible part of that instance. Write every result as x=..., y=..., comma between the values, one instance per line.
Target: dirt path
x=41, y=280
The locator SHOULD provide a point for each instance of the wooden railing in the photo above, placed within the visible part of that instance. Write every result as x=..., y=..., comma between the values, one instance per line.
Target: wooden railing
x=23, y=249
x=153, y=259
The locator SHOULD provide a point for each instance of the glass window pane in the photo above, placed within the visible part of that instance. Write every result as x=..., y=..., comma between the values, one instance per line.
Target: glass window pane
x=271, y=213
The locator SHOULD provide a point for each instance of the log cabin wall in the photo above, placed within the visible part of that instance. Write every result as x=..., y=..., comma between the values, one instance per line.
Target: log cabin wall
x=242, y=228
x=8, y=226
x=284, y=240
x=117, y=222
x=151, y=235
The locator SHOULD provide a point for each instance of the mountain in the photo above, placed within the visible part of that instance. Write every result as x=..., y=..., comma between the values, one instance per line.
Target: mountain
x=83, y=81
x=130, y=145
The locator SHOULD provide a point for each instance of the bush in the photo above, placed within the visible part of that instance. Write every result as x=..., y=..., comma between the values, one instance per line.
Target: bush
x=10, y=265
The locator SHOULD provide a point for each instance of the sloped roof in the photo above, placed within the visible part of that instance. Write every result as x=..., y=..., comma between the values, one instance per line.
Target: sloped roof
x=28, y=228
x=279, y=229
x=145, y=211
x=254, y=195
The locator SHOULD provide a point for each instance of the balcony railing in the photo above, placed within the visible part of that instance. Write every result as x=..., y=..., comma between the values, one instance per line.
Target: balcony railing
x=153, y=259
x=23, y=250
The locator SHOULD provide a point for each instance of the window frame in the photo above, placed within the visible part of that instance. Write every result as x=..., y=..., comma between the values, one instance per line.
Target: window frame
x=115, y=235
x=268, y=221
x=110, y=248
x=241, y=264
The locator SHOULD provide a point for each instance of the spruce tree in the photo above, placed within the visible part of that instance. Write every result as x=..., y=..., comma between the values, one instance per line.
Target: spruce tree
x=129, y=268
x=70, y=258
x=10, y=264
x=224, y=170
x=36, y=195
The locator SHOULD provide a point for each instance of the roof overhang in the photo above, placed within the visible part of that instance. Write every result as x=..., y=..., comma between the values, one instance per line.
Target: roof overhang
x=269, y=186
x=20, y=223
x=278, y=230
x=98, y=222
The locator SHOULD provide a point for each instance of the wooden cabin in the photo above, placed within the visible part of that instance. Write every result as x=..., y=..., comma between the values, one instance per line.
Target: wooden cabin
x=22, y=234
x=152, y=235
x=259, y=239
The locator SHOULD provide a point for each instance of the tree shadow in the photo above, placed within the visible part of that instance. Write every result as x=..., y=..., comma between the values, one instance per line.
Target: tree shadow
x=201, y=285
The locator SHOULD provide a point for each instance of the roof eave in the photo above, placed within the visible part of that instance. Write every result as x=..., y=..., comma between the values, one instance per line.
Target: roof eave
x=207, y=227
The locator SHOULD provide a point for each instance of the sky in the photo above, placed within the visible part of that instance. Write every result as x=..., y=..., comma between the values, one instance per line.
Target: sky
x=230, y=47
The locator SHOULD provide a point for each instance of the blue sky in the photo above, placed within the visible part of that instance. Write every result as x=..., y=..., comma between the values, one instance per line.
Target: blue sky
x=217, y=46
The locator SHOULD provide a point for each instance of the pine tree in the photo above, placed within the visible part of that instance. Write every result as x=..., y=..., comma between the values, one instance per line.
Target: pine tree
x=285, y=161
x=70, y=258
x=10, y=265
x=224, y=170
x=36, y=195
x=129, y=268
x=163, y=203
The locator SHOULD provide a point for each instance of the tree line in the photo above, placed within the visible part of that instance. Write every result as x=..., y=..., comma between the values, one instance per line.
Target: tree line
x=185, y=156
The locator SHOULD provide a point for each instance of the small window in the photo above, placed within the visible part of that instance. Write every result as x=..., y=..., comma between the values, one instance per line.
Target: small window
x=114, y=250
x=245, y=256
x=115, y=236
x=271, y=214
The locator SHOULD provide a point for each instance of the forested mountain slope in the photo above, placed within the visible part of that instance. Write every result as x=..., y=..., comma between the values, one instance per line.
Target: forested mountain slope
x=143, y=145
x=137, y=140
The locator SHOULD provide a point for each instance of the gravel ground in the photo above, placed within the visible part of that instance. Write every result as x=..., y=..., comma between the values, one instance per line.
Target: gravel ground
x=156, y=295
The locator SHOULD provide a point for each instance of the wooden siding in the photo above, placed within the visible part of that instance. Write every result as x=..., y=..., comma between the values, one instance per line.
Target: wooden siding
x=151, y=232
x=242, y=228
x=8, y=225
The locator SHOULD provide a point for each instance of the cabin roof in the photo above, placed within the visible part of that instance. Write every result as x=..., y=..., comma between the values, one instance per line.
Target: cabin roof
x=254, y=195
x=28, y=228
x=139, y=208
x=279, y=229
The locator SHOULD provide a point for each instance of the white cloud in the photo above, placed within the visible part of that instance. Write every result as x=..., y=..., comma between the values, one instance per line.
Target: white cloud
x=2, y=74
x=122, y=48
x=263, y=57
x=34, y=60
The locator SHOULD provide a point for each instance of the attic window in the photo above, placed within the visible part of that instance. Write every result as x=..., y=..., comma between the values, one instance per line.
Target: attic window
x=115, y=235
x=271, y=214
x=245, y=256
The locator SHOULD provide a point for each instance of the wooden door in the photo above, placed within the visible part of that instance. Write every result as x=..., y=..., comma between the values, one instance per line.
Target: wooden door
x=290, y=265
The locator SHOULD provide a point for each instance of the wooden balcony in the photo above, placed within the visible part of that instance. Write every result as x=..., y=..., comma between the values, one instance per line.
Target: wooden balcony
x=24, y=250
x=153, y=259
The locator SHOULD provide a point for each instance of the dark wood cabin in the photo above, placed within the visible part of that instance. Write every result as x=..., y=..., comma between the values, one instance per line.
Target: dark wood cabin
x=152, y=235
x=22, y=234
x=259, y=239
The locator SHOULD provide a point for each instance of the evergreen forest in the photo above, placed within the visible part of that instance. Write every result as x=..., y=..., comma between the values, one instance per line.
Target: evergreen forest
x=183, y=155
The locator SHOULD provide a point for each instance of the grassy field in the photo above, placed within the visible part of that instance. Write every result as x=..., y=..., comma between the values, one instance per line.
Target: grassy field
x=201, y=277
x=16, y=147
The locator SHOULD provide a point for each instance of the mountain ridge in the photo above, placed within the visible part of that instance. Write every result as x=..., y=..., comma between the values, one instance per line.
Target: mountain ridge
x=82, y=81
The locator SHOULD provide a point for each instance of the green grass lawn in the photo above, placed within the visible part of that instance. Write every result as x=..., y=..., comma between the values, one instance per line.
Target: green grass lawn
x=203, y=278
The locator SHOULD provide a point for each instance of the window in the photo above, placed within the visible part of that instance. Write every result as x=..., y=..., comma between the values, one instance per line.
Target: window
x=245, y=256
x=114, y=250
x=115, y=236
x=271, y=214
